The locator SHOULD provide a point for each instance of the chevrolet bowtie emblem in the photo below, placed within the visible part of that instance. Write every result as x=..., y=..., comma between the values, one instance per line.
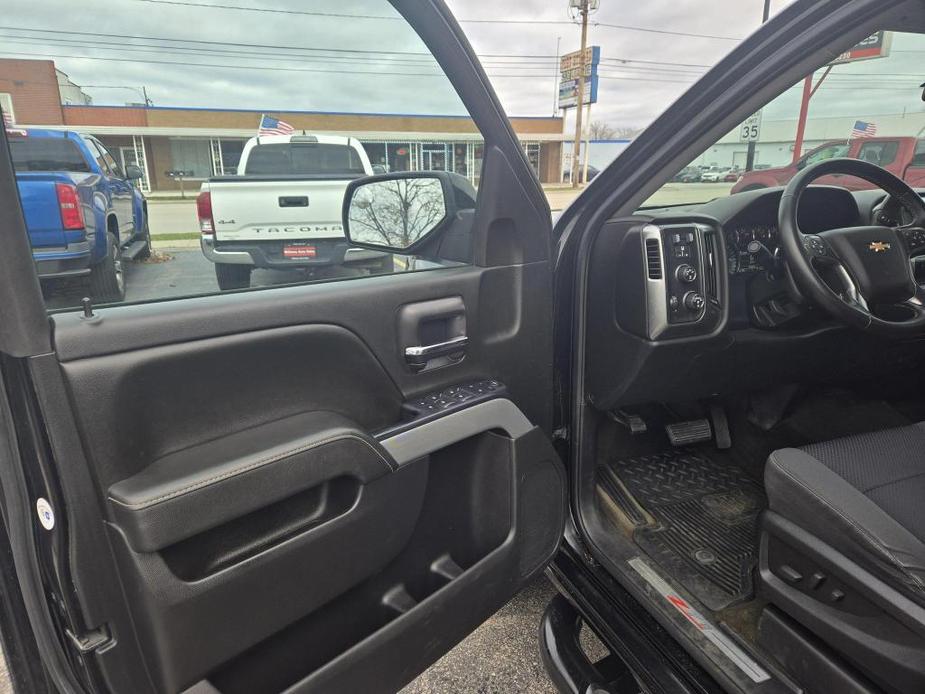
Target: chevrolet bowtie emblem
x=879, y=246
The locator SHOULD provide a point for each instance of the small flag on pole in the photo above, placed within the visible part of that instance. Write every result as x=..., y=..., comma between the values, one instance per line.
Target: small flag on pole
x=273, y=126
x=862, y=129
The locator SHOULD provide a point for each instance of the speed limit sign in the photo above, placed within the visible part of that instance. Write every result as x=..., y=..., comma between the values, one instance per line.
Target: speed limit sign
x=750, y=130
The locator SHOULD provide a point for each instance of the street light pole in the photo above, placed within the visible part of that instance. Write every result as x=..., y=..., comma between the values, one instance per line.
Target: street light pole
x=579, y=105
x=750, y=156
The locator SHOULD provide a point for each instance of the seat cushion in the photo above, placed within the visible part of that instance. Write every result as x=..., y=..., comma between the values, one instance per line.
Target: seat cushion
x=863, y=495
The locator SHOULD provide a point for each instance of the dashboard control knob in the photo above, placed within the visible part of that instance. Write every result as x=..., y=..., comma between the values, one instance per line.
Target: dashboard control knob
x=686, y=273
x=693, y=301
x=673, y=303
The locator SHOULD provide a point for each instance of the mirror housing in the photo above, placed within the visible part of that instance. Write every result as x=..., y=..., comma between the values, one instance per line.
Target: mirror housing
x=399, y=212
x=133, y=172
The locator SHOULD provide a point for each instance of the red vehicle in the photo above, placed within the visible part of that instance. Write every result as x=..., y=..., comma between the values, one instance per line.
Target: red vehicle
x=902, y=156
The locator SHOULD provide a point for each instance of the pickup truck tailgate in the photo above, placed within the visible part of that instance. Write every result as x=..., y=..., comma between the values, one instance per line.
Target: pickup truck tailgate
x=40, y=208
x=264, y=209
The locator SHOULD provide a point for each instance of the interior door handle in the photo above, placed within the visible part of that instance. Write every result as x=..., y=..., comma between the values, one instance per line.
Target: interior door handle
x=419, y=355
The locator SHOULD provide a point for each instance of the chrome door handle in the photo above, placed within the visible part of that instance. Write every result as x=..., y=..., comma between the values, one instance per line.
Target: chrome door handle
x=420, y=354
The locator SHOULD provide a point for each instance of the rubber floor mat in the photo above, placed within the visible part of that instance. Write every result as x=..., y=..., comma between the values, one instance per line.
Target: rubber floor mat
x=705, y=533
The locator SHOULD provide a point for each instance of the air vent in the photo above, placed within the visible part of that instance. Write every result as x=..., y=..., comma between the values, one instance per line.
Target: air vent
x=711, y=264
x=654, y=259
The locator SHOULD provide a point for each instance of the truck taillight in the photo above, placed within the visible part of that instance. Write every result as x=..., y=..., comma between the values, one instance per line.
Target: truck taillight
x=69, y=204
x=204, y=211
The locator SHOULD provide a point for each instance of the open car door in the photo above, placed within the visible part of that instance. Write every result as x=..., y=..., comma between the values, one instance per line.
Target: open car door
x=296, y=488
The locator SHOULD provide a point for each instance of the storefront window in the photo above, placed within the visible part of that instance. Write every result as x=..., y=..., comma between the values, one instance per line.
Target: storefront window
x=398, y=156
x=377, y=156
x=231, y=155
x=435, y=157
x=532, y=150
x=191, y=156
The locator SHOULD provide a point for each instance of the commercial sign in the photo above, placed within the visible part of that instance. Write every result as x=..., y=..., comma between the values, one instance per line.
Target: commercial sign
x=875, y=46
x=570, y=68
x=750, y=130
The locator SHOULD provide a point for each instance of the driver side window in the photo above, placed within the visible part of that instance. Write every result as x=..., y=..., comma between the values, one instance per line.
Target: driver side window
x=832, y=152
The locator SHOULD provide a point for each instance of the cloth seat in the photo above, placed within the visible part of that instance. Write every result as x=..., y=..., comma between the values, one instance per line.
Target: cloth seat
x=863, y=495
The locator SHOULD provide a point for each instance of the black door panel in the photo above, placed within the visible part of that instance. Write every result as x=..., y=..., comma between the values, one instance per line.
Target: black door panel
x=253, y=491
x=267, y=497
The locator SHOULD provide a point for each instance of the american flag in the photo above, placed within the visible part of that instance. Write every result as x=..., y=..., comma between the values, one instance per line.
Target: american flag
x=862, y=129
x=273, y=126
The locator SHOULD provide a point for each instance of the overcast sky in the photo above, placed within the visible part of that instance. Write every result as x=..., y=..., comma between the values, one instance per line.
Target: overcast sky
x=263, y=59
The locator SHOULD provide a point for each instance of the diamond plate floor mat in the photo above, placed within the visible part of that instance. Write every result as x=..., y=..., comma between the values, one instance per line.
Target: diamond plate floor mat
x=705, y=533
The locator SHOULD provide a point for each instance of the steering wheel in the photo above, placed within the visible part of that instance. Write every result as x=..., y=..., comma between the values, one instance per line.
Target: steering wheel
x=873, y=264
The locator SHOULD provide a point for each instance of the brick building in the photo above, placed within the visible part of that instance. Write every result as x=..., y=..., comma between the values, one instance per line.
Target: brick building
x=208, y=142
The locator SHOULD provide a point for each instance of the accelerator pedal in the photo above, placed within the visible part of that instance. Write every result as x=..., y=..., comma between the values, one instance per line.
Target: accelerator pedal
x=690, y=432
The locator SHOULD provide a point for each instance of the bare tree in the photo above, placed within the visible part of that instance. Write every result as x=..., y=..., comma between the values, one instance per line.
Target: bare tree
x=605, y=131
x=599, y=130
x=397, y=212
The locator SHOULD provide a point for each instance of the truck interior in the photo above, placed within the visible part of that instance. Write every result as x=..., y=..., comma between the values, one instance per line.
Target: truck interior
x=747, y=395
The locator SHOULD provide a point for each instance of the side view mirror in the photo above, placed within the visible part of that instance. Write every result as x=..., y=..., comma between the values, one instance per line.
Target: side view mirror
x=133, y=172
x=398, y=212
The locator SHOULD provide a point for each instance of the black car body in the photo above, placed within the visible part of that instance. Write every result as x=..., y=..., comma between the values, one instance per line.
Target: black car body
x=339, y=518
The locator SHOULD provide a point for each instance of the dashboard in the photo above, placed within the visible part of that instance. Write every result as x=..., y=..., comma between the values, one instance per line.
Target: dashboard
x=688, y=301
x=751, y=234
x=742, y=255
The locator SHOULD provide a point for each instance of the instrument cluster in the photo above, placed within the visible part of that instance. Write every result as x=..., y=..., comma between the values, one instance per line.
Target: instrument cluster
x=744, y=247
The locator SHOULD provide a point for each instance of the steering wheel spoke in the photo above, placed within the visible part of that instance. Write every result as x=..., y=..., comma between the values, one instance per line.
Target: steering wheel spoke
x=849, y=291
x=914, y=236
x=816, y=248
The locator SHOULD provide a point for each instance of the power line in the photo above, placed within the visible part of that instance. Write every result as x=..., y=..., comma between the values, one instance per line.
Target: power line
x=383, y=53
x=338, y=15
x=285, y=69
x=515, y=61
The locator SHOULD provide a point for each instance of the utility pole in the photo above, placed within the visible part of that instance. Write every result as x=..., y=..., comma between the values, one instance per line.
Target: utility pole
x=750, y=156
x=583, y=10
x=555, y=82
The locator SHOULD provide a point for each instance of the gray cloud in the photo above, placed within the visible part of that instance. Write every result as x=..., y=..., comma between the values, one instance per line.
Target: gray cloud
x=172, y=77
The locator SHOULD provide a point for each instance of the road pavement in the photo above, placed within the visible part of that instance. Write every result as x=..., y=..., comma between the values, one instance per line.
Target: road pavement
x=179, y=216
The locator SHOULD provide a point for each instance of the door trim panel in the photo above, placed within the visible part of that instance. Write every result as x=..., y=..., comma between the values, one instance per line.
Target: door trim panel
x=426, y=438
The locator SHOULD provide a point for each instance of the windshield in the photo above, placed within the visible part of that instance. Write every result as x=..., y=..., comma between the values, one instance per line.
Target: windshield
x=46, y=154
x=866, y=104
x=304, y=159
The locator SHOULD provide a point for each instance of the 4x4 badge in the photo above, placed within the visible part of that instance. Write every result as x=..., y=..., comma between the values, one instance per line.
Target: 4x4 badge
x=879, y=246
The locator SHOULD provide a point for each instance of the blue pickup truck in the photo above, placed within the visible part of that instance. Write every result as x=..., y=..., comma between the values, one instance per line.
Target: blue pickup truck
x=83, y=213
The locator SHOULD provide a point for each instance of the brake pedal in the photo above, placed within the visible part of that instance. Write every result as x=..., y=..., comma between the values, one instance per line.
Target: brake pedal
x=633, y=422
x=690, y=432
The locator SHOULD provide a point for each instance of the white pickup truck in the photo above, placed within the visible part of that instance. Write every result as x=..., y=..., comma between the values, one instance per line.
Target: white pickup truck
x=283, y=209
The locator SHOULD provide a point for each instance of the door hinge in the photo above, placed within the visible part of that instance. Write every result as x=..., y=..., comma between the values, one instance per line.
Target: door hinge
x=91, y=640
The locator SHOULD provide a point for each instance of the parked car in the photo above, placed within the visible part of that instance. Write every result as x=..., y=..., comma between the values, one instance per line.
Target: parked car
x=714, y=175
x=692, y=174
x=592, y=172
x=282, y=209
x=732, y=175
x=702, y=420
x=901, y=156
x=83, y=213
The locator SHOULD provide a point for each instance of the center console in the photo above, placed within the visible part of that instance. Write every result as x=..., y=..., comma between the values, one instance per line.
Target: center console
x=682, y=271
